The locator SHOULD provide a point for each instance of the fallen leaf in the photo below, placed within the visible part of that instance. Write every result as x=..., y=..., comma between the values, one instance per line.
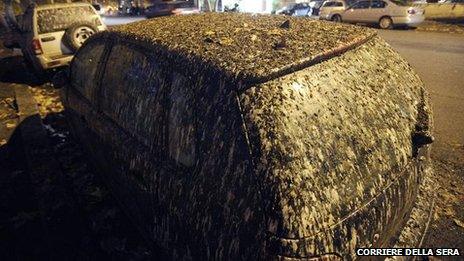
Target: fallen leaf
x=459, y=222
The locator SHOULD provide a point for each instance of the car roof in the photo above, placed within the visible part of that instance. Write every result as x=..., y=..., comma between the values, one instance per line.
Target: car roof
x=60, y=5
x=242, y=47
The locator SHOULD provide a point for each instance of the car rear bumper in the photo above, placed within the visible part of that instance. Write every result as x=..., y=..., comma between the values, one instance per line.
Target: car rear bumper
x=412, y=20
x=49, y=62
x=398, y=216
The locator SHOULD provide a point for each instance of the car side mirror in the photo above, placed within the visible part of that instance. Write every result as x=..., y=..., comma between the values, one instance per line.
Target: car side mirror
x=60, y=79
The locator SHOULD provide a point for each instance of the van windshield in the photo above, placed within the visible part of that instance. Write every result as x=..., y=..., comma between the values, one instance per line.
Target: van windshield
x=59, y=19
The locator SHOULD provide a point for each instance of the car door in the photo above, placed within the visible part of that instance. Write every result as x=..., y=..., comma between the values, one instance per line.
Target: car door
x=377, y=10
x=357, y=12
x=132, y=128
x=80, y=95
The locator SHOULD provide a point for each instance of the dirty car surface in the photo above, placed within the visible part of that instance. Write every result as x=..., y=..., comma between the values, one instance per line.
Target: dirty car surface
x=233, y=136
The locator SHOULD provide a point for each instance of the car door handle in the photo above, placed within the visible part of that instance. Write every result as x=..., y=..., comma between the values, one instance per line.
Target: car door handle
x=48, y=39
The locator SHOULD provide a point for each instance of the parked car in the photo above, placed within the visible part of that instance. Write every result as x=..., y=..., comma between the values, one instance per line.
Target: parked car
x=385, y=13
x=51, y=34
x=330, y=8
x=308, y=149
x=299, y=9
x=315, y=6
x=170, y=8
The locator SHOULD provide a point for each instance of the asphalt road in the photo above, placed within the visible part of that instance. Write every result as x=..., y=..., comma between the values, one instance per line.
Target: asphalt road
x=438, y=58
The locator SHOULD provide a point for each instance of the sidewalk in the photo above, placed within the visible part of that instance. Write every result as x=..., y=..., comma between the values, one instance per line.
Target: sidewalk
x=53, y=205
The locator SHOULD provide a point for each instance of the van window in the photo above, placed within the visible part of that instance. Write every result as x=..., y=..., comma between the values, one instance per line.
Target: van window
x=59, y=19
x=181, y=130
x=129, y=90
x=84, y=68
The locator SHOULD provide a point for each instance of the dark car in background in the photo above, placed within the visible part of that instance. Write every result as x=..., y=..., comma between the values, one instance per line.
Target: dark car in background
x=170, y=8
x=274, y=151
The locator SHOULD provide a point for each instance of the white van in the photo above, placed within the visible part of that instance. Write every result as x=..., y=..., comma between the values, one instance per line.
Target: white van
x=51, y=34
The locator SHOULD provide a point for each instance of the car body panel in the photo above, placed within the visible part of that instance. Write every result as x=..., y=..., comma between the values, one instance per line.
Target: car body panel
x=290, y=161
x=373, y=13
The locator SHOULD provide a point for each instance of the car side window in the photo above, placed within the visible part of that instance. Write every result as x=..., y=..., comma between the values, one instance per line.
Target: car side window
x=84, y=68
x=361, y=5
x=181, y=130
x=129, y=90
x=378, y=4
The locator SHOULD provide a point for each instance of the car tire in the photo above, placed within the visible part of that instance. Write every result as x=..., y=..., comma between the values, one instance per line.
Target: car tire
x=336, y=18
x=77, y=34
x=386, y=23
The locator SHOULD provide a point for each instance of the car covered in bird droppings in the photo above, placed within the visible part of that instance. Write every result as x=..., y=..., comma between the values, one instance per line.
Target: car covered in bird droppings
x=245, y=137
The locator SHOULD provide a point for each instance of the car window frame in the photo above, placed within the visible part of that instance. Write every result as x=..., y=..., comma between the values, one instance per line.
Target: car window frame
x=358, y=3
x=108, y=44
x=163, y=95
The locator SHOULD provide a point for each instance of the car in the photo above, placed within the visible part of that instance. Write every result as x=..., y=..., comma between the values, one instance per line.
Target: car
x=50, y=34
x=170, y=8
x=385, y=13
x=330, y=8
x=298, y=9
x=312, y=141
x=315, y=6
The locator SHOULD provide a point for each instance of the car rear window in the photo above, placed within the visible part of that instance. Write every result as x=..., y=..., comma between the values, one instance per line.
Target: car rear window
x=58, y=19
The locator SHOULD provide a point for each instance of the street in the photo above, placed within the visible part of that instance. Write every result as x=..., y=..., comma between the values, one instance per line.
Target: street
x=438, y=58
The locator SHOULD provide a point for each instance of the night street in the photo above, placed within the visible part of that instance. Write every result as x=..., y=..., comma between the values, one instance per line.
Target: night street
x=79, y=209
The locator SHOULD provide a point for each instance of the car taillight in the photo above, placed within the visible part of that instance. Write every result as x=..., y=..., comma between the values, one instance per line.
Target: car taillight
x=36, y=47
x=411, y=11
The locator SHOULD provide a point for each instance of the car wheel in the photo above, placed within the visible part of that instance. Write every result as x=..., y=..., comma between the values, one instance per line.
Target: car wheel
x=386, y=23
x=77, y=34
x=336, y=18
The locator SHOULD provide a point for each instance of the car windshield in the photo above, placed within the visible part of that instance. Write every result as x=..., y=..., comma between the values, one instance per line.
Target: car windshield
x=58, y=19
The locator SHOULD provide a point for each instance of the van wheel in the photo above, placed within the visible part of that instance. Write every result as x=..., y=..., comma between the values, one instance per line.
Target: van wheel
x=386, y=23
x=77, y=34
x=336, y=18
